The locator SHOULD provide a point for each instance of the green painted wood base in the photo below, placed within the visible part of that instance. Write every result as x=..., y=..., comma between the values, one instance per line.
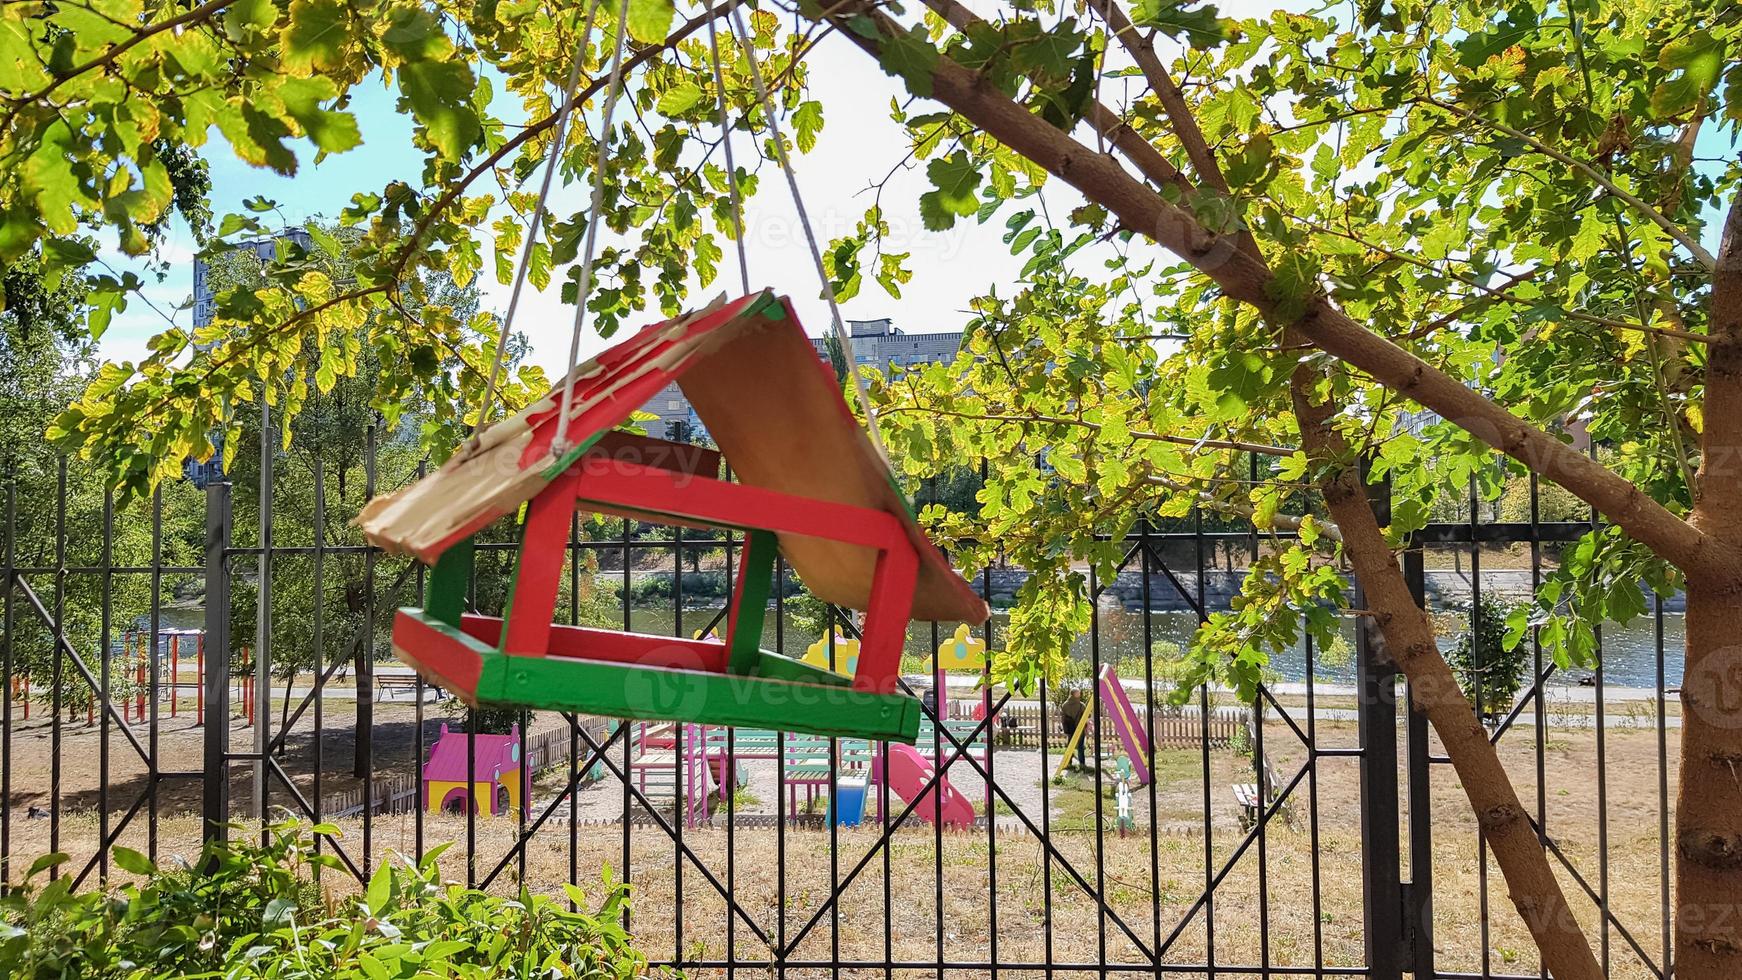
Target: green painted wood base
x=777, y=692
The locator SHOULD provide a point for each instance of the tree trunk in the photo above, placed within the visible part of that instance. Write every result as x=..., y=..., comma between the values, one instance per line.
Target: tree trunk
x=1708, y=816
x=1408, y=637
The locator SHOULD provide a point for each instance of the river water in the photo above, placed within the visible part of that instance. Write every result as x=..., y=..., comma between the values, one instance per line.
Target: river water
x=1630, y=654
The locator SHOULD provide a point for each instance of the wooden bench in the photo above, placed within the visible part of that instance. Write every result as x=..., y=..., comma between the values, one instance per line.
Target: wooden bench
x=809, y=761
x=1251, y=801
x=387, y=685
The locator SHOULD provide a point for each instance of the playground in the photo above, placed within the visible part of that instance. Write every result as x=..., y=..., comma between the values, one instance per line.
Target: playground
x=676, y=769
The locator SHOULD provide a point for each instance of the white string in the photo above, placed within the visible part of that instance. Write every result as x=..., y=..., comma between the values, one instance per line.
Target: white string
x=594, y=216
x=841, y=334
x=562, y=120
x=731, y=165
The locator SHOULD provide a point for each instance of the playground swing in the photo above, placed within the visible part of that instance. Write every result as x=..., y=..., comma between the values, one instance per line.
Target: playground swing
x=811, y=485
x=1122, y=715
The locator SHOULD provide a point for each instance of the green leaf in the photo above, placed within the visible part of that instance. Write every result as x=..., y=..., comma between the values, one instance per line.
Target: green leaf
x=246, y=17
x=45, y=862
x=415, y=34
x=910, y=57
x=131, y=861
x=650, y=20
x=679, y=99
x=104, y=303
x=278, y=913
x=1296, y=283
x=1051, y=53
x=313, y=40
x=807, y=121
x=1700, y=57
x=68, y=253
x=333, y=132
x=439, y=94
x=1200, y=28
x=372, y=966
x=955, y=178
x=380, y=890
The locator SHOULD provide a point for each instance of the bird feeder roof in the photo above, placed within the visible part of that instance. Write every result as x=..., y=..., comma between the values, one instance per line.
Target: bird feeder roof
x=770, y=403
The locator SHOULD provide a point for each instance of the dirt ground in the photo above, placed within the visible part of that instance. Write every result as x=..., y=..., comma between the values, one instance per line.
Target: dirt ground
x=1282, y=901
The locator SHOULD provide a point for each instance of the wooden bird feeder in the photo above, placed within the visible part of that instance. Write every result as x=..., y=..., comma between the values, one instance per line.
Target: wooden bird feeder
x=809, y=483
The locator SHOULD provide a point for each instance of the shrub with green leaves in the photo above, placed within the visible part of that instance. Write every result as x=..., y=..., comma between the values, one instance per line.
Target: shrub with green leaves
x=1490, y=661
x=254, y=912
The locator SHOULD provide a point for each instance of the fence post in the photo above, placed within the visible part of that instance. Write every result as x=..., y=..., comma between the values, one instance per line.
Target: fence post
x=216, y=790
x=258, y=693
x=1381, y=871
x=1418, y=891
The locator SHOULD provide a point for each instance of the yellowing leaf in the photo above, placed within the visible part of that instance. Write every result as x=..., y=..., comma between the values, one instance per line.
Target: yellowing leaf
x=314, y=39
x=649, y=20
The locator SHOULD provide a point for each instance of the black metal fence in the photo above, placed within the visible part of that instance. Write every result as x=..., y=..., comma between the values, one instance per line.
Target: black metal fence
x=1319, y=832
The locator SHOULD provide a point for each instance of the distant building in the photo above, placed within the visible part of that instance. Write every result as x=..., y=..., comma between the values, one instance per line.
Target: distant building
x=205, y=302
x=878, y=343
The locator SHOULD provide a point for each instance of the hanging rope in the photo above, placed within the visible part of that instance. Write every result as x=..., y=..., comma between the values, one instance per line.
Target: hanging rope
x=556, y=147
x=584, y=286
x=841, y=335
x=726, y=142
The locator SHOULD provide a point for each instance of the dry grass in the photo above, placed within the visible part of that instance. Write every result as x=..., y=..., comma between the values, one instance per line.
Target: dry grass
x=1311, y=913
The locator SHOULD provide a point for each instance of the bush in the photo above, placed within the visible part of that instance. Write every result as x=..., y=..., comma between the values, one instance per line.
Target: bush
x=256, y=915
x=1483, y=664
x=659, y=587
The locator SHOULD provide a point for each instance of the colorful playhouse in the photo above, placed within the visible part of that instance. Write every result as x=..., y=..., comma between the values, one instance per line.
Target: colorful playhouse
x=497, y=775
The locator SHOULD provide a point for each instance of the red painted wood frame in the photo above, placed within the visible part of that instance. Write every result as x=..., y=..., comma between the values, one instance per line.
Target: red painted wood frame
x=658, y=492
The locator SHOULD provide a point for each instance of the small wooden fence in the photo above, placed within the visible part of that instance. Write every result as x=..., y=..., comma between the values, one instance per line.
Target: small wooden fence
x=1018, y=725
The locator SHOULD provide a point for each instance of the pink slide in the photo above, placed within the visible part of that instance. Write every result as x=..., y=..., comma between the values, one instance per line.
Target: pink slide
x=909, y=772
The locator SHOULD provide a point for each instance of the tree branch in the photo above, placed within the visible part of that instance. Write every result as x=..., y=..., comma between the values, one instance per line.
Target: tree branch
x=1286, y=522
x=1718, y=494
x=1142, y=153
x=1203, y=443
x=1407, y=636
x=200, y=13
x=1245, y=278
x=1185, y=125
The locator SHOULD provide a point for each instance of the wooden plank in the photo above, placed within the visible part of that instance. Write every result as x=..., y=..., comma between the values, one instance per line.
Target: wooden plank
x=797, y=436
x=886, y=620
x=677, y=457
x=739, y=505
x=511, y=461
x=656, y=678
x=634, y=691
x=593, y=643
x=538, y=572
x=750, y=602
x=444, y=655
x=445, y=595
